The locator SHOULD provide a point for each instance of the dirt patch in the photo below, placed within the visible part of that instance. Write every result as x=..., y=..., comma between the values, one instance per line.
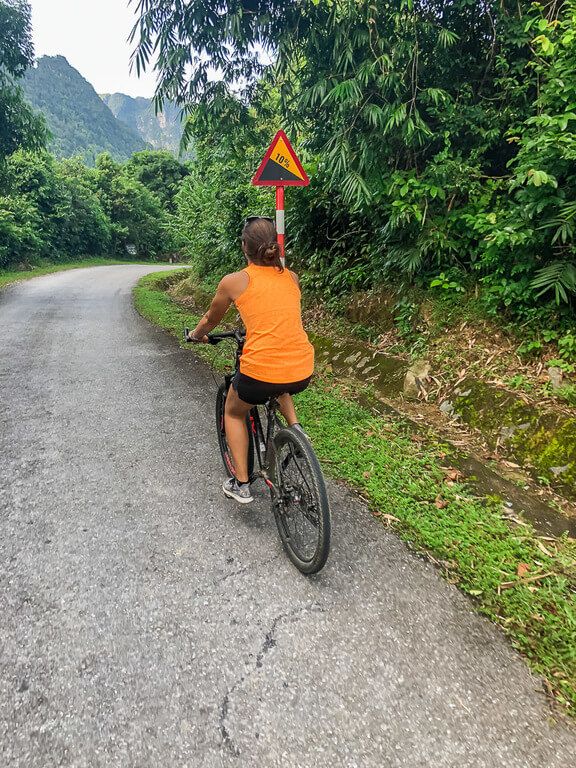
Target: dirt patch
x=373, y=308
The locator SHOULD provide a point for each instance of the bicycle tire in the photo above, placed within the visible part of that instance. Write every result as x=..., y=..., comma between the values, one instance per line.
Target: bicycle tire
x=221, y=432
x=308, y=500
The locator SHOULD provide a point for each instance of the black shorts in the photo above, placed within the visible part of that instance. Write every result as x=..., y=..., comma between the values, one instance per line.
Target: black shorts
x=258, y=392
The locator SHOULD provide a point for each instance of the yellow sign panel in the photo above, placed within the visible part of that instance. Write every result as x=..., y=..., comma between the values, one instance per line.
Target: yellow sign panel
x=282, y=155
x=280, y=167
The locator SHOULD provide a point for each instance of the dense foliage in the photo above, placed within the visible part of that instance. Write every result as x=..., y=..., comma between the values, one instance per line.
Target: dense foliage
x=440, y=134
x=60, y=210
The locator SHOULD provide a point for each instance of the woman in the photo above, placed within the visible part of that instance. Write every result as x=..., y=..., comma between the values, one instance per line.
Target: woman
x=277, y=360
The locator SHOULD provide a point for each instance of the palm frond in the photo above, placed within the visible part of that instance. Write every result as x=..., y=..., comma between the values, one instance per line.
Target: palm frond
x=558, y=276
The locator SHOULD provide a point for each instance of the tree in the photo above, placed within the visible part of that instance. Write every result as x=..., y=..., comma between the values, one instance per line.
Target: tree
x=440, y=131
x=160, y=172
x=19, y=125
x=199, y=39
x=65, y=207
x=16, y=49
x=21, y=237
x=32, y=178
x=136, y=215
x=83, y=226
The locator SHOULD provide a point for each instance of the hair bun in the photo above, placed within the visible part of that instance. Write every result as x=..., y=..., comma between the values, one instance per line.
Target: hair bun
x=271, y=252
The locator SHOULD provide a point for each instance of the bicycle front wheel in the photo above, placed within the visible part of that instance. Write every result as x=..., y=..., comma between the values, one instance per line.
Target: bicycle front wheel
x=225, y=451
x=301, y=505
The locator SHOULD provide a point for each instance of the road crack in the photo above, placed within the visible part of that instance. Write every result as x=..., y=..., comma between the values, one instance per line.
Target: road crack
x=227, y=740
x=268, y=643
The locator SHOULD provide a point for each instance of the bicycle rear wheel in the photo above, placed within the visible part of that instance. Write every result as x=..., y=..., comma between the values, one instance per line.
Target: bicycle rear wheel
x=222, y=442
x=301, y=507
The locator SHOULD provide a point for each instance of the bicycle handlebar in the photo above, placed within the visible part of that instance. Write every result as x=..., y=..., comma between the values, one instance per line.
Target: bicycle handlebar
x=216, y=338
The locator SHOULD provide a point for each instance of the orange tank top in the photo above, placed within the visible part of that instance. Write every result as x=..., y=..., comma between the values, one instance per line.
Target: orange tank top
x=277, y=349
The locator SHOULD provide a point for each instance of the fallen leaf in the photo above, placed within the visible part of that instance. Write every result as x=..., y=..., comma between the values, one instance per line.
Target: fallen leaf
x=522, y=569
x=440, y=503
x=514, y=518
x=452, y=475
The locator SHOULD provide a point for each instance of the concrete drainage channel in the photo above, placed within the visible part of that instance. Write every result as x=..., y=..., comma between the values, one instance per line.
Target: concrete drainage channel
x=543, y=443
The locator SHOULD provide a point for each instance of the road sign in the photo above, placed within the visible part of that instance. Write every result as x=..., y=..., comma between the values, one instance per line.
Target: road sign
x=280, y=167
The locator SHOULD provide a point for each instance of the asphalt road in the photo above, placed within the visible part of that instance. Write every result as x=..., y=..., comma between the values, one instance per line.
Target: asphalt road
x=146, y=621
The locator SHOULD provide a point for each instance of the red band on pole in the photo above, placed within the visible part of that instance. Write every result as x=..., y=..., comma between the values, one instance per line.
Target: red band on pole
x=280, y=219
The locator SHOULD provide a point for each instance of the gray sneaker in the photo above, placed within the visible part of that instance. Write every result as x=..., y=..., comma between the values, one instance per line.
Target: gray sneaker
x=237, y=492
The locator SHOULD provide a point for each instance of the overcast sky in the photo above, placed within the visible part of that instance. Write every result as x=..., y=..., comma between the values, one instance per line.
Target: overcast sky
x=92, y=35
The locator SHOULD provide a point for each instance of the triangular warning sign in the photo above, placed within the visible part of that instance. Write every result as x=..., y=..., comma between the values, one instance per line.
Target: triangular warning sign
x=280, y=167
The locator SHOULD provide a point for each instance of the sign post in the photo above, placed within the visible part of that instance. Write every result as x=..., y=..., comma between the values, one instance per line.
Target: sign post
x=280, y=226
x=280, y=168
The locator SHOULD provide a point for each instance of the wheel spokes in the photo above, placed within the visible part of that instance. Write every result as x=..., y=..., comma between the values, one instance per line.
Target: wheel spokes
x=299, y=509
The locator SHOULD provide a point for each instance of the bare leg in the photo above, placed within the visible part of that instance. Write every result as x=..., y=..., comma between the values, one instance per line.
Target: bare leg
x=287, y=409
x=236, y=433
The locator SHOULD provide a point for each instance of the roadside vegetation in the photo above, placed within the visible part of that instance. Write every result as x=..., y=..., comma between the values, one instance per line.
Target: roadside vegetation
x=458, y=339
x=524, y=582
x=440, y=140
x=57, y=211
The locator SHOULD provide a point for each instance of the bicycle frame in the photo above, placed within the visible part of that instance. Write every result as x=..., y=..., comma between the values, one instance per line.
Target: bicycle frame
x=264, y=456
x=263, y=444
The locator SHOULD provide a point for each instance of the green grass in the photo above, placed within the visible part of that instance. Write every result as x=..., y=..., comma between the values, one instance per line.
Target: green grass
x=14, y=276
x=525, y=583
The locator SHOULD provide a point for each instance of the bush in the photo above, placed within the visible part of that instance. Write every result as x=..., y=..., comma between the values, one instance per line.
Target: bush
x=20, y=232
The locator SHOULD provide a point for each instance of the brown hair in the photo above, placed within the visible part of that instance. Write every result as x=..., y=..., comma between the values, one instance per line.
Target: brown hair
x=261, y=244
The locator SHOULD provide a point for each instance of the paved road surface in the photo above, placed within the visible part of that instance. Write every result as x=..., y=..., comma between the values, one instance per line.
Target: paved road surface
x=147, y=622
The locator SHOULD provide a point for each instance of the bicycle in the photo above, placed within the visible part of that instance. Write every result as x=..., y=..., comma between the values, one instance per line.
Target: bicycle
x=284, y=458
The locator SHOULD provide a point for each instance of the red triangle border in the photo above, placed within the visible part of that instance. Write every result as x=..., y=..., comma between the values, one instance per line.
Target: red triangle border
x=256, y=178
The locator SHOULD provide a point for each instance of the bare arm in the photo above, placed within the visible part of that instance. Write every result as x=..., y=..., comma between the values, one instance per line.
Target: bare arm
x=229, y=288
x=218, y=308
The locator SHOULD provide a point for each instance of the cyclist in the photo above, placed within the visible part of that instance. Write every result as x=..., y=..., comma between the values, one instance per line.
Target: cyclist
x=277, y=359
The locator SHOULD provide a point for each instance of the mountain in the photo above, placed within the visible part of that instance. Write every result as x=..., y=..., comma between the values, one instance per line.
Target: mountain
x=80, y=122
x=162, y=131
